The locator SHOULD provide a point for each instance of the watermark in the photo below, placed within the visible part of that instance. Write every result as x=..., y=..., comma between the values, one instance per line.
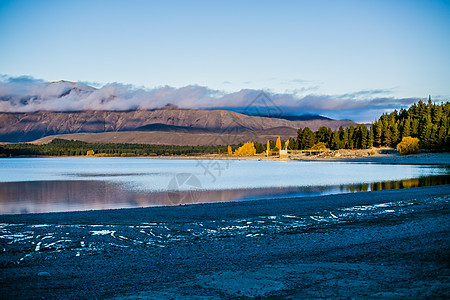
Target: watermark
x=263, y=105
x=184, y=188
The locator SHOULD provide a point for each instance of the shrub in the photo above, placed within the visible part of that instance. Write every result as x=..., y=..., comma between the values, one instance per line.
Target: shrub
x=102, y=155
x=408, y=145
x=127, y=154
x=319, y=146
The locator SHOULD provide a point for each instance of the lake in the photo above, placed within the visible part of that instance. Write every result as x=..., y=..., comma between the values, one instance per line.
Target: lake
x=29, y=185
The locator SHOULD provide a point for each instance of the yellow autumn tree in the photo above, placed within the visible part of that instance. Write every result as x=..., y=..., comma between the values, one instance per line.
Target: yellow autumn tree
x=408, y=145
x=319, y=146
x=268, y=146
x=230, y=152
x=287, y=144
x=90, y=153
x=246, y=149
x=278, y=144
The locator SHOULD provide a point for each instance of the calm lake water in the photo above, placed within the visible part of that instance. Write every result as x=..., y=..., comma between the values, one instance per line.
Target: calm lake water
x=65, y=184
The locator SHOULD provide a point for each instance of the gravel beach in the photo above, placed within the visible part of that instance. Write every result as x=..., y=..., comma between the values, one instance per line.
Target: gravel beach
x=383, y=244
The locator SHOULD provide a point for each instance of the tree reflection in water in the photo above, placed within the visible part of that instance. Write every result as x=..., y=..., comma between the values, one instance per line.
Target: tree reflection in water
x=52, y=196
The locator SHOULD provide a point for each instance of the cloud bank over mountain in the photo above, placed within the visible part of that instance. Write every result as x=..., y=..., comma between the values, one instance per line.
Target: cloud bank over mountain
x=27, y=94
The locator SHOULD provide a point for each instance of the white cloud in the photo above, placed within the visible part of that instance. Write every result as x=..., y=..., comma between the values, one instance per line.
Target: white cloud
x=26, y=94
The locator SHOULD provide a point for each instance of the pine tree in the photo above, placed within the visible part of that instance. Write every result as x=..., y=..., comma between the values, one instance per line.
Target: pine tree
x=406, y=130
x=336, y=141
x=259, y=147
x=308, y=138
x=310, y=141
x=441, y=136
x=329, y=136
x=364, y=136
x=345, y=139
x=386, y=137
x=291, y=142
x=299, y=139
x=425, y=137
x=322, y=135
x=415, y=127
x=351, y=137
x=341, y=137
x=437, y=114
x=423, y=117
x=370, y=138
x=395, y=135
x=377, y=134
x=434, y=136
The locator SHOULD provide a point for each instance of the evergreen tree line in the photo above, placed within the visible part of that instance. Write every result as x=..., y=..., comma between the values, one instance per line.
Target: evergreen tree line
x=61, y=147
x=428, y=122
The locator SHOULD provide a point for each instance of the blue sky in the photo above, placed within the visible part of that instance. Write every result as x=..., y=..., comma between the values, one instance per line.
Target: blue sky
x=371, y=49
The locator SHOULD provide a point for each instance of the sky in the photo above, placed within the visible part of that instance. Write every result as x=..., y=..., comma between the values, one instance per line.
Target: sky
x=344, y=59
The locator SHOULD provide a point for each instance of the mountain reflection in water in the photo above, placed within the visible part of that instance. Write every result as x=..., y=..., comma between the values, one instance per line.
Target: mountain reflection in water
x=55, y=196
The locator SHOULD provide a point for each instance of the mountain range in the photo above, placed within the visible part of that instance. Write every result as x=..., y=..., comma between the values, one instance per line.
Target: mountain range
x=168, y=125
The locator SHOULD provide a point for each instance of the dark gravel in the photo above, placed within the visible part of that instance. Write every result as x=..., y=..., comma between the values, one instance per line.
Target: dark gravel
x=386, y=244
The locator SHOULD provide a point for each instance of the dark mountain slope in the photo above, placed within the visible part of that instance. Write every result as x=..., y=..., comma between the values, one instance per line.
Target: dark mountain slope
x=24, y=127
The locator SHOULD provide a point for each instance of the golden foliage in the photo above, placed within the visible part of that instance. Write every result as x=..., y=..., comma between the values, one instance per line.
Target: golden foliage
x=319, y=146
x=408, y=145
x=90, y=153
x=230, y=152
x=268, y=146
x=246, y=149
x=410, y=183
x=278, y=144
x=127, y=154
x=103, y=155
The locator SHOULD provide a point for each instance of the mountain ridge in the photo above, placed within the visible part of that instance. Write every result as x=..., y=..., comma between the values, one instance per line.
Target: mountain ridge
x=29, y=126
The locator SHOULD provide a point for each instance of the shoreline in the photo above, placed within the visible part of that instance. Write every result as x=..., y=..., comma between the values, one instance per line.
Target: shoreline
x=112, y=194
x=394, y=158
x=246, y=208
x=441, y=159
x=383, y=244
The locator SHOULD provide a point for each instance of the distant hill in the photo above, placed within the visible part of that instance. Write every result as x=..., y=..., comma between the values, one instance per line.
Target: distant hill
x=26, y=127
x=156, y=127
x=273, y=111
x=305, y=117
x=169, y=124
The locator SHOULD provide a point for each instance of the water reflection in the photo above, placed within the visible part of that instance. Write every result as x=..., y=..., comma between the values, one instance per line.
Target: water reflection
x=53, y=196
x=399, y=184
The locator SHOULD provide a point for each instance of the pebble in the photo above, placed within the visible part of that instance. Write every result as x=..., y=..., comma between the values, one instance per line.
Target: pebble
x=44, y=274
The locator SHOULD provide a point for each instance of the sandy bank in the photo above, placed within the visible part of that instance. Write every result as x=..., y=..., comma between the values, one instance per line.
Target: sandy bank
x=345, y=156
x=391, y=158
